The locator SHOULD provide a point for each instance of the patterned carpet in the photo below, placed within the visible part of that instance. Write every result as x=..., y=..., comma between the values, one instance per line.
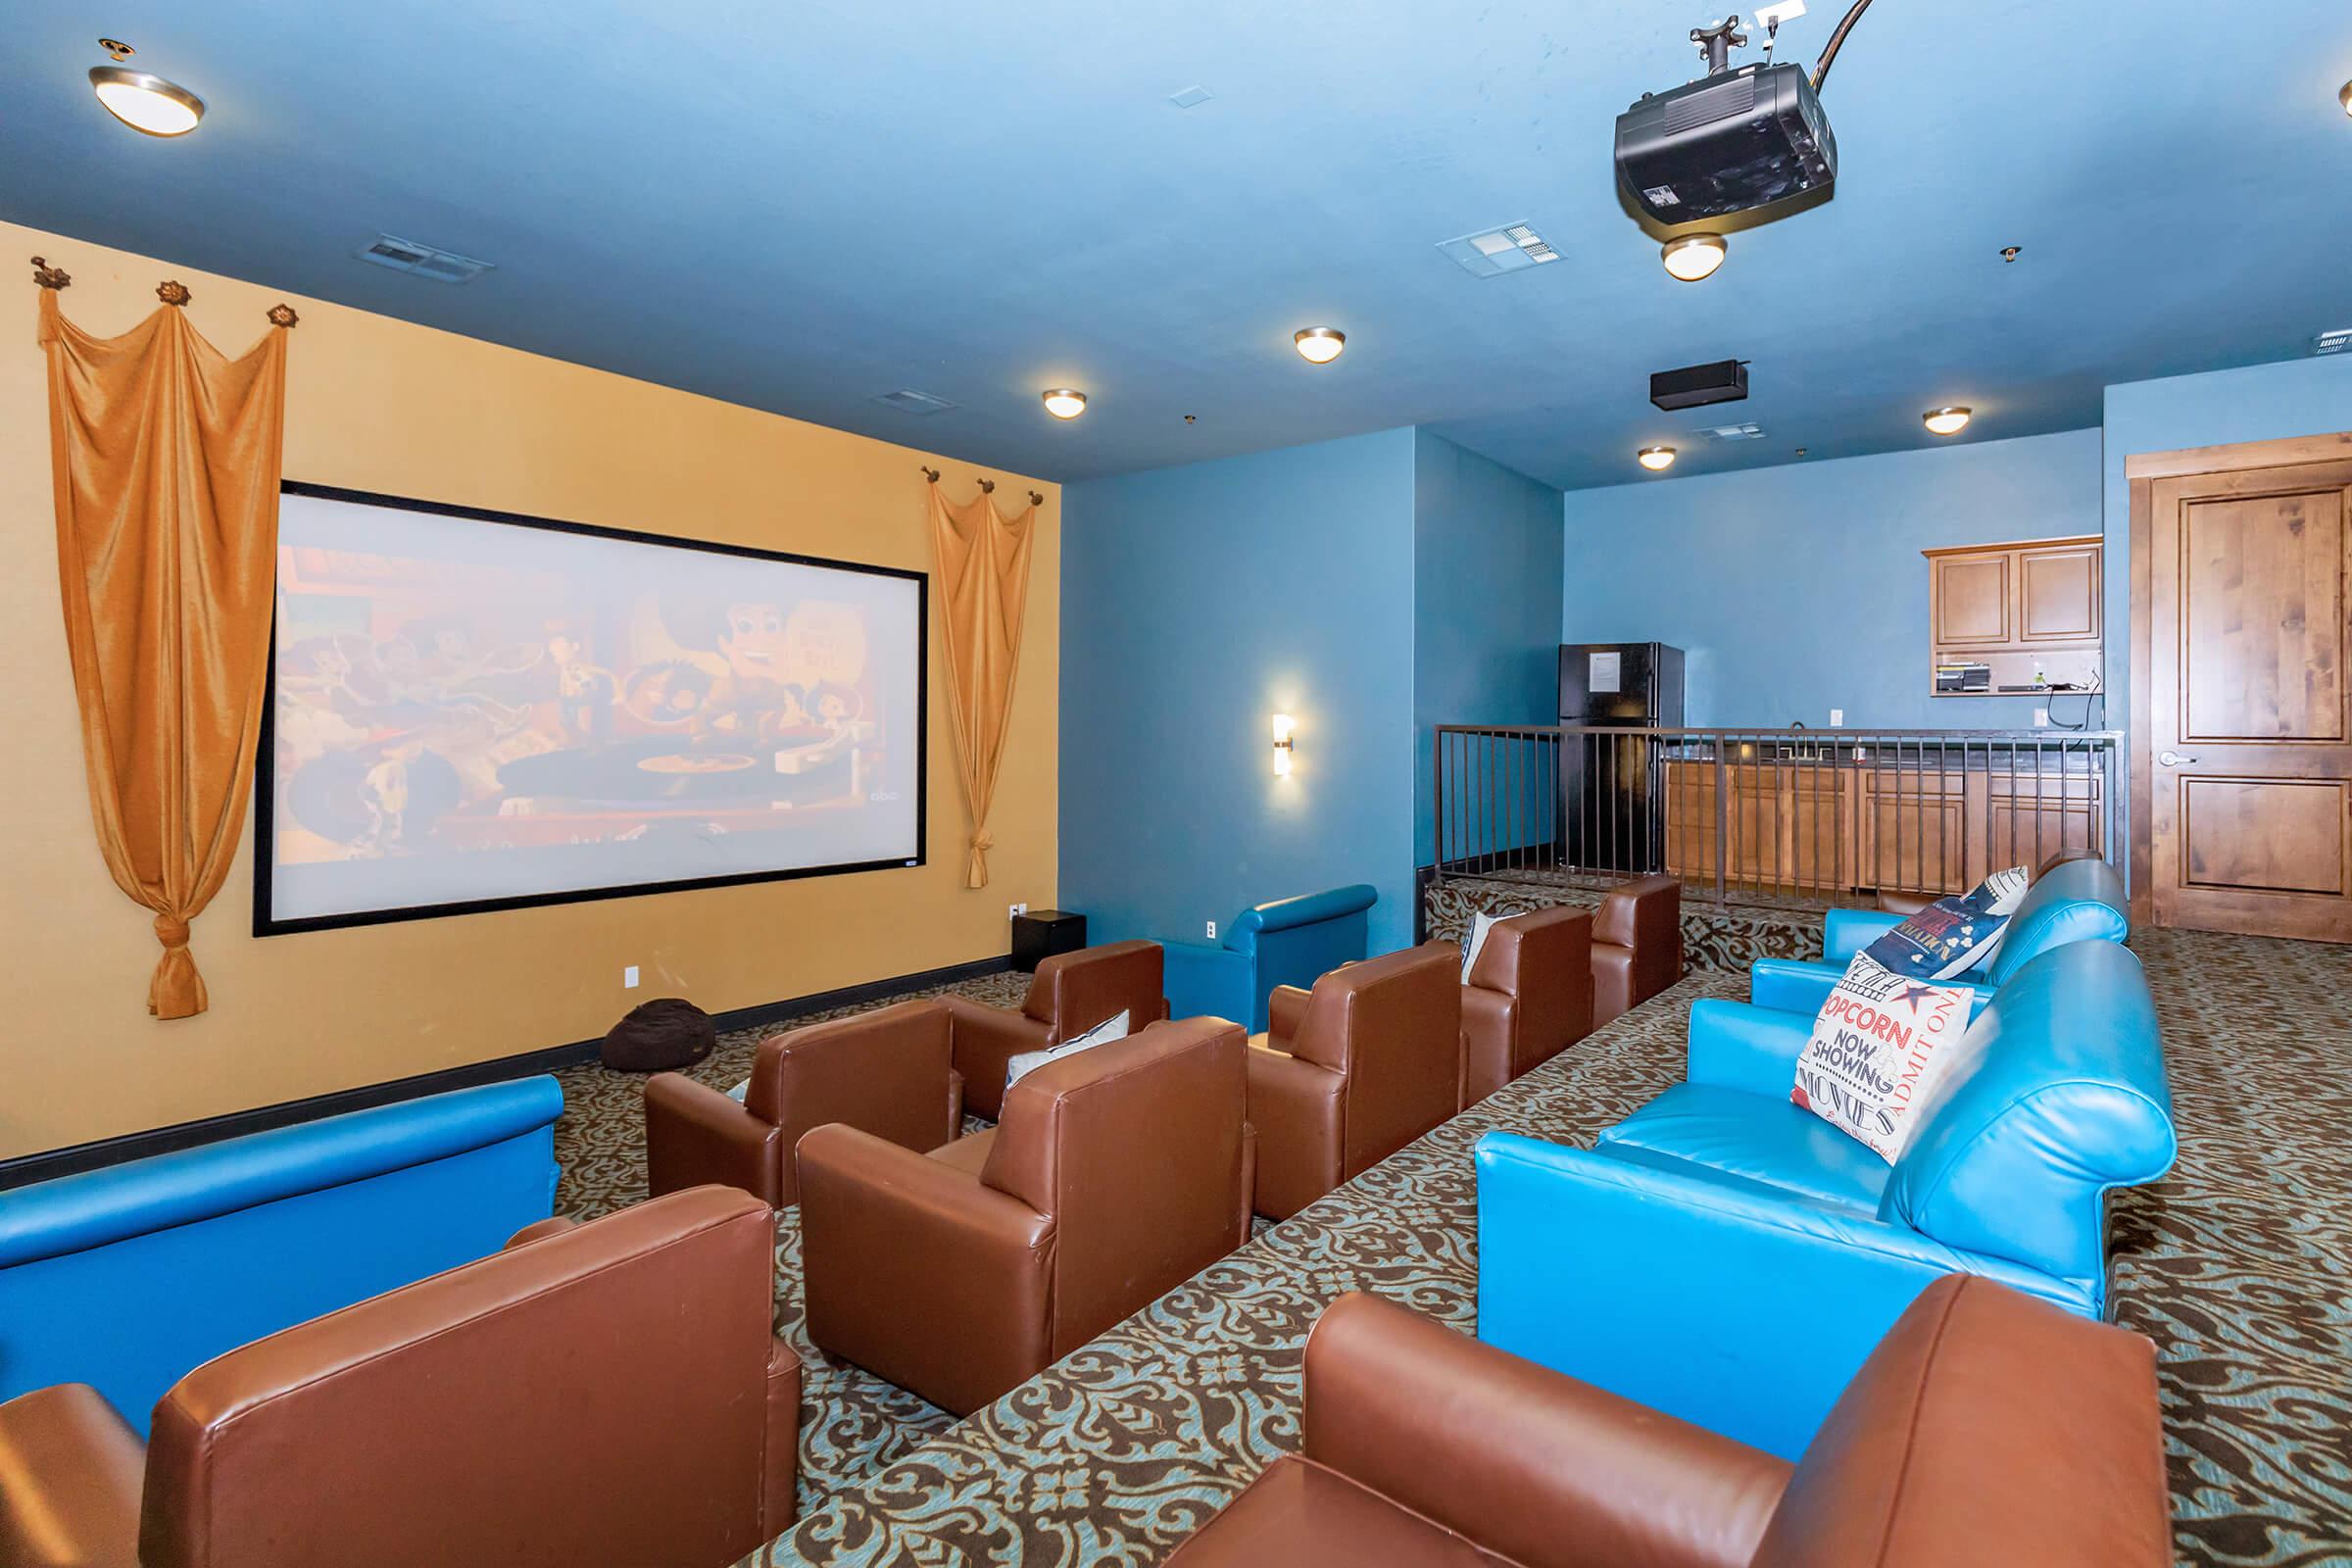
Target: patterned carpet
x=2238, y=1265
x=1724, y=937
x=852, y=1424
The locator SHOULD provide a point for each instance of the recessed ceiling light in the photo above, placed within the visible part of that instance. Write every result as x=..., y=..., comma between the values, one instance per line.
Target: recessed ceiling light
x=1063, y=403
x=1946, y=421
x=2010, y=253
x=143, y=101
x=1319, y=345
x=1695, y=256
x=1655, y=459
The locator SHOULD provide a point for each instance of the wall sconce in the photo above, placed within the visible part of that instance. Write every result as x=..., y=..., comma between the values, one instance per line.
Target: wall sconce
x=1283, y=724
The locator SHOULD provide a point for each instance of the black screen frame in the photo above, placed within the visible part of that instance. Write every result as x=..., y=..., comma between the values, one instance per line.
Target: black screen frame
x=265, y=923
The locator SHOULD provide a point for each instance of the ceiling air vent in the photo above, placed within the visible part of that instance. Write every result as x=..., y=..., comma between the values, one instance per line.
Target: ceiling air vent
x=2335, y=342
x=1750, y=431
x=407, y=256
x=908, y=401
x=1513, y=248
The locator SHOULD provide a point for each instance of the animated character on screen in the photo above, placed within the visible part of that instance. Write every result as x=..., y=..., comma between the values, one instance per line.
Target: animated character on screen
x=752, y=697
x=584, y=692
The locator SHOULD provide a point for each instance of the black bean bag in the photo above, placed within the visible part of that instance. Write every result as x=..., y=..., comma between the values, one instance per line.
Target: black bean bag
x=661, y=1036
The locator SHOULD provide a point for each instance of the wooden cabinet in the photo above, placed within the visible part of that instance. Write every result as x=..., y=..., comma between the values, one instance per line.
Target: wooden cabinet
x=2023, y=609
x=1972, y=599
x=2058, y=594
x=1911, y=829
x=1812, y=826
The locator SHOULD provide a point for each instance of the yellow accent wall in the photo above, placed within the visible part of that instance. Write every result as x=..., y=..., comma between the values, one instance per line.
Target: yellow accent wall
x=383, y=405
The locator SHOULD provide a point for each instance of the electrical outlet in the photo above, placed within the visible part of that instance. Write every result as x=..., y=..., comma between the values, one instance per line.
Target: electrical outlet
x=1836, y=718
x=2041, y=719
x=1019, y=910
x=628, y=978
x=1212, y=930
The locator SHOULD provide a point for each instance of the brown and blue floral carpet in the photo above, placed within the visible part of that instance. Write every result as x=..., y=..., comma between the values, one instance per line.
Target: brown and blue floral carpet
x=2238, y=1265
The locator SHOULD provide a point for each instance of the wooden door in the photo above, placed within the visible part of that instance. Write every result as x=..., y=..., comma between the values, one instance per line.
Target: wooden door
x=2248, y=751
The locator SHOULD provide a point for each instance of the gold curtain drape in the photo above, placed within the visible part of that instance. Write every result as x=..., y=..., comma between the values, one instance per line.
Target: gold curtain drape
x=983, y=563
x=166, y=457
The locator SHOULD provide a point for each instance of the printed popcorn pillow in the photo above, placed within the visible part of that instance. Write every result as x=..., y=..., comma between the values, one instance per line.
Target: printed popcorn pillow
x=1954, y=935
x=1879, y=1044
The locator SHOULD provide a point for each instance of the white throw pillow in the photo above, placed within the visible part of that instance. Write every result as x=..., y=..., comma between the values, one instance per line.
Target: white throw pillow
x=1112, y=1028
x=1879, y=1046
x=1480, y=925
x=1957, y=934
x=737, y=1092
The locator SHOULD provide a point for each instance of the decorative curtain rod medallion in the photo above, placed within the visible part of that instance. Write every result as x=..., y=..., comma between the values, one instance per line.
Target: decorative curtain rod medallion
x=46, y=276
x=930, y=475
x=988, y=487
x=173, y=292
x=282, y=315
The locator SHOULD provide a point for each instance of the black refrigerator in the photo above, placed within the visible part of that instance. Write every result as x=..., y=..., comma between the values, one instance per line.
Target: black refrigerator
x=1613, y=787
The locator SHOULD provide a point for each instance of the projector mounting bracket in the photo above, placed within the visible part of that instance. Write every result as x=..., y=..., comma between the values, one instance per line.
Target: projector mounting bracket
x=1717, y=42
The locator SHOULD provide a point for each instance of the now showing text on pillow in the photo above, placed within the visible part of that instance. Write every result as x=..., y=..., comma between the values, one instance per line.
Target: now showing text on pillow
x=1878, y=1045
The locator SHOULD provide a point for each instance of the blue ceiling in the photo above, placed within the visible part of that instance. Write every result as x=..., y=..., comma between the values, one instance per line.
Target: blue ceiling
x=803, y=207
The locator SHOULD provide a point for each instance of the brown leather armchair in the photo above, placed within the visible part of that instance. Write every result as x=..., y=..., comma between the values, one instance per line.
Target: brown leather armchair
x=1529, y=997
x=1353, y=1071
x=1637, y=945
x=1072, y=992
x=1986, y=1428
x=887, y=1071
x=1115, y=1175
x=600, y=1393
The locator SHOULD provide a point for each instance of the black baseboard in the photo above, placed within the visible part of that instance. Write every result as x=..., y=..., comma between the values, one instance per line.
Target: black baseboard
x=25, y=1170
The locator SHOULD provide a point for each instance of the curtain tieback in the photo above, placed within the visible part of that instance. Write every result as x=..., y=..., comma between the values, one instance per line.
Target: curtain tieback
x=170, y=932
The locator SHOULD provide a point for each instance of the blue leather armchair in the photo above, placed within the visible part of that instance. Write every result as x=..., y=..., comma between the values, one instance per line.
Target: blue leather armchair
x=1729, y=1258
x=129, y=1277
x=1289, y=942
x=2074, y=901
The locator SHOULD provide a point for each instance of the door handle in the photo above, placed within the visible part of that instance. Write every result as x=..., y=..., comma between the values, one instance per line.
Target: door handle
x=2173, y=758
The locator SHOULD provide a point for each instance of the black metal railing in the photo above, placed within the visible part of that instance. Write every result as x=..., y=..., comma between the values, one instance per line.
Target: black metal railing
x=1795, y=813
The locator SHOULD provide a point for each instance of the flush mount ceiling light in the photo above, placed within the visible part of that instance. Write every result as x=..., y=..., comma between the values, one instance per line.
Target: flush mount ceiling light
x=1319, y=345
x=1655, y=459
x=146, y=103
x=1695, y=256
x=2345, y=97
x=1064, y=403
x=1946, y=421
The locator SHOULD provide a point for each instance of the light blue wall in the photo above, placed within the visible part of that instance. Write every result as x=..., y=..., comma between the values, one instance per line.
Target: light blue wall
x=1799, y=589
x=1486, y=610
x=1195, y=603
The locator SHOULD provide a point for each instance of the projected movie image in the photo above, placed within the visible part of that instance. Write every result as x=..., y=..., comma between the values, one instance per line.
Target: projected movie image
x=468, y=711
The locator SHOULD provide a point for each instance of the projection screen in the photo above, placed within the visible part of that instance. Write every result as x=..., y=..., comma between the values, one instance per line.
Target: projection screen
x=473, y=711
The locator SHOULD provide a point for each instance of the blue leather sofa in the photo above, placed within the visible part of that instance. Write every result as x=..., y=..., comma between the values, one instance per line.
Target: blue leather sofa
x=129, y=1277
x=2074, y=901
x=1729, y=1258
x=1289, y=942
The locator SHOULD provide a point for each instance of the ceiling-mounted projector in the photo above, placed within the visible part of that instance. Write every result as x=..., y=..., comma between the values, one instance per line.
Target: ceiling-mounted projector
x=1729, y=142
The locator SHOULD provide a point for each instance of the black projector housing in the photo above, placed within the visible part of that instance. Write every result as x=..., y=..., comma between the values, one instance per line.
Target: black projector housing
x=1726, y=144
x=1697, y=386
